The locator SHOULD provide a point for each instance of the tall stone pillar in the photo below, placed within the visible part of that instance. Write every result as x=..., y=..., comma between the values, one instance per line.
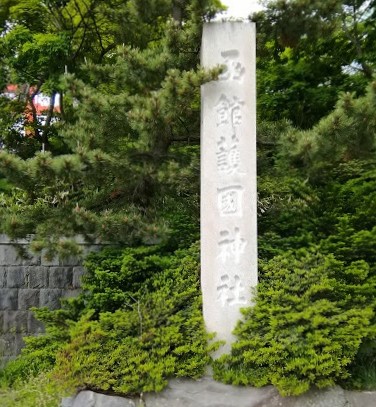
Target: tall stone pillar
x=228, y=176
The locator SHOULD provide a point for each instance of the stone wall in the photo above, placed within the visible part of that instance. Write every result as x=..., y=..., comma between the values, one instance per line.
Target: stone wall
x=31, y=282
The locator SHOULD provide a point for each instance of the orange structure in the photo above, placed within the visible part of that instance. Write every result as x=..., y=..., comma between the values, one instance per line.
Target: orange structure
x=37, y=104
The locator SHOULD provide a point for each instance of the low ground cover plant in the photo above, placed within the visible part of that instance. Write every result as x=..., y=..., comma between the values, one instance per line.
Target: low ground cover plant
x=137, y=323
x=310, y=317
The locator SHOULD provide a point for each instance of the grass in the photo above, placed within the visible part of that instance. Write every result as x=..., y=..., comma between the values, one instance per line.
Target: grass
x=39, y=391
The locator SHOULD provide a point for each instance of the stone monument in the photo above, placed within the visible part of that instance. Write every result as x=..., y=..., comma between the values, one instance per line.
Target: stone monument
x=228, y=176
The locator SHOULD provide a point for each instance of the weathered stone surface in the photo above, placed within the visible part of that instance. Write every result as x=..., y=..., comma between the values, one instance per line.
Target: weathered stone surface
x=208, y=393
x=361, y=398
x=15, y=277
x=49, y=262
x=36, y=277
x=10, y=344
x=332, y=397
x=67, y=402
x=71, y=261
x=50, y=298
x=60, y=277
x=228, y=176
x=78, y=273
x=8, y=299
x=3, y=276
x=15, y=321
x=4, y=239
x=33, y=325
x=56, y=261
x=18, y=343
x=70, y=293
x=6, y=348
x=9, y=255
x=28, y=298
x=25, y=283
x=91, y=399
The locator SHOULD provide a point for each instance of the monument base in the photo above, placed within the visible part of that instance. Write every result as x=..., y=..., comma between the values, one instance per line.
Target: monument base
x=206, y=392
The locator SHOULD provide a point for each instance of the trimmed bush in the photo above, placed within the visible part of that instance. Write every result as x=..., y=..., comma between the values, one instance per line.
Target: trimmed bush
x=309, y=320
x=137, y=322
x=142, y=323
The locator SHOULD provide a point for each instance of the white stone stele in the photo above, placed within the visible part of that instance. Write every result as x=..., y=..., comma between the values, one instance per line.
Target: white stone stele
x=228, y=176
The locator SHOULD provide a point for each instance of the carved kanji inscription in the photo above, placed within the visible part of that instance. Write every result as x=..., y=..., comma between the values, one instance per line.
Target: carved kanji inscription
x=228, y=157
x=230, y=200
x=231, y=291
x=229, y=111
x=234, y=68
x=231, y=245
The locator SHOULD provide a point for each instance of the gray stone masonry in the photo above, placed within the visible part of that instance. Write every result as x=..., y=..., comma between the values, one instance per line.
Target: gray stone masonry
x=208, y=393
x=31, y=282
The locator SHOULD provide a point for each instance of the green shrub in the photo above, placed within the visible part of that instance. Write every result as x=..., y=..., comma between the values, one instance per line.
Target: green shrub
x=309, y=320
x=114, y=276
x=36, y=357
x=38, y=391
x=137, y=322
x=142, y=323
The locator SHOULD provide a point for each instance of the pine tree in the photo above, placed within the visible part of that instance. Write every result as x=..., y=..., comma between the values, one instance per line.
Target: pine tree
x=133, y=142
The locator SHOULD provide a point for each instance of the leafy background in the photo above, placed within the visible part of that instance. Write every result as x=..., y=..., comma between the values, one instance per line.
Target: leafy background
x=121, y=163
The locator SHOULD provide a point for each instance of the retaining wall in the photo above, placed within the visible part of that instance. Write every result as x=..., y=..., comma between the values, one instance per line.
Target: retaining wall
x=31, y=282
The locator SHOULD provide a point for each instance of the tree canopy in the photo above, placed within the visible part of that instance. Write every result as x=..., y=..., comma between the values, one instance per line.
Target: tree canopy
x=122, y=149
x=125, y=147
x=311, y=51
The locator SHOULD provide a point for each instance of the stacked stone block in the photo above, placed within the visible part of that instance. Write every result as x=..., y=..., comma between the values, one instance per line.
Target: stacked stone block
x=27, y=282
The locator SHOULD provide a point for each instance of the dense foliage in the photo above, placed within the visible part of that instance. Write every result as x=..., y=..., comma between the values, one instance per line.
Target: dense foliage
x=137, y=323
x=122, y=165
x=311, y=315
x=313, y=322
x=308, y=52
x=125, y=150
